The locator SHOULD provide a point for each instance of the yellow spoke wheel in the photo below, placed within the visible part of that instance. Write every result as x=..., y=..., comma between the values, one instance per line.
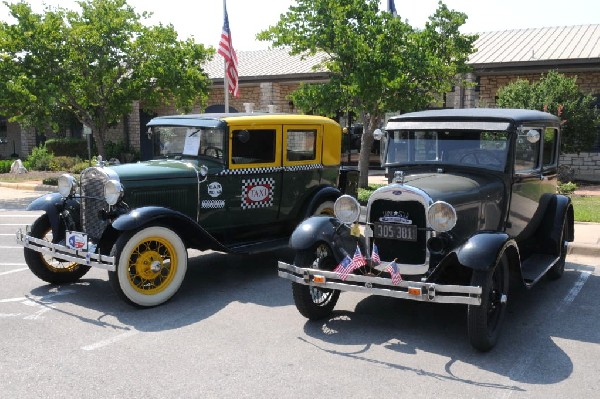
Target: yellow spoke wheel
x=151, y=265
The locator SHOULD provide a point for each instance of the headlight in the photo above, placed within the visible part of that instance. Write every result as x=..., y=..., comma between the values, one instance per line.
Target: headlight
x=67, y=185
x=347, y=209
x=113, y=191
x=441, y=216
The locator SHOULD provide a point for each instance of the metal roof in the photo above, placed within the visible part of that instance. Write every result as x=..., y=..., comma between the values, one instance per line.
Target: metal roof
x=561, y=45
x=272, y=62
x=515, y=115
x=539, y=45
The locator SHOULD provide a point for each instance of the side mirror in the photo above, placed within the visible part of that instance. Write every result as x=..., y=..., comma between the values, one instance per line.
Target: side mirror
x=378, y=134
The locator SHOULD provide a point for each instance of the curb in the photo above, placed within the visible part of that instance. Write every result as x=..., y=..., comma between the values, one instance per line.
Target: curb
x=29, y=186
x=583, y=249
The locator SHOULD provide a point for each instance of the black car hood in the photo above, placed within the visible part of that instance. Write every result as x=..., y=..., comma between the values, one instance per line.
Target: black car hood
x=457, y=189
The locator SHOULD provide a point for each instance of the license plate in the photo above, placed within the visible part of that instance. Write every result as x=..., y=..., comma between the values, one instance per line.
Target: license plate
x=77, y=240
x=403, y=232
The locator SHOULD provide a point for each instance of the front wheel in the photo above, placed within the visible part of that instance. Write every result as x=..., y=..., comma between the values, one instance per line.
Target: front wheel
x=485, y=320
x=151, y=265
x=313, y=302
x=47, y=268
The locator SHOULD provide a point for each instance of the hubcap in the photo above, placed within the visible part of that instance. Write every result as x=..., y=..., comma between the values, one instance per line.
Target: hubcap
x=152, y=265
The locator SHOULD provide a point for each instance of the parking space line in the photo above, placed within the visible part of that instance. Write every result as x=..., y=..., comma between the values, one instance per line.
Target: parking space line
x=10, y=247
x=109, y=341
x=14, y=271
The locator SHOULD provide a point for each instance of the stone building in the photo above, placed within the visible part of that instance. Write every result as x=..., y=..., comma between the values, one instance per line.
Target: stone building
x=268, y=76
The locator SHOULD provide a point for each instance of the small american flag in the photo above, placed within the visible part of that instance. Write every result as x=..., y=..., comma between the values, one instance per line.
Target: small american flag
x=358, y=259
x=394, y=271
x=228, y=53
x=375, y=255
x=344, y=268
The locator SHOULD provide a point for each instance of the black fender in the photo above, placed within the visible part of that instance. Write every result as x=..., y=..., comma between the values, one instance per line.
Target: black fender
x=326, y=193
x=190, y=232
x=325, y=229
x=558, y=212
x=53, y=204
x=481, y=251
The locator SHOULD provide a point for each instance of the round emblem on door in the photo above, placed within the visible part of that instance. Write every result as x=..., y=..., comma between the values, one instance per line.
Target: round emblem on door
x=215, y=189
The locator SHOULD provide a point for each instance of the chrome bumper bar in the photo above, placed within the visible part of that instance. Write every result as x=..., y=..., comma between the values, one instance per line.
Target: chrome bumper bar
x=413, y=290
x=62, y=252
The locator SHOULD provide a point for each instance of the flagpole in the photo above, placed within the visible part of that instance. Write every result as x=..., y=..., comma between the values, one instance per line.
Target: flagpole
x=225, y=80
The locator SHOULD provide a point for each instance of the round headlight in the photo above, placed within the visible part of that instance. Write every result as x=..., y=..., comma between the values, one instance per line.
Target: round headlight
x=441, y=216
x=113, y=191
x=67, y=185
x=346, y=209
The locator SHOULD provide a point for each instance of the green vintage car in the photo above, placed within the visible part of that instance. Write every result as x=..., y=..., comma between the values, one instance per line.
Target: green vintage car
x=236, y=183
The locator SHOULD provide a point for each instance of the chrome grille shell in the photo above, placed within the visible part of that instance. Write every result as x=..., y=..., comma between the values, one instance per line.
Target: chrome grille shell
x=413, y=257
x=92, y=200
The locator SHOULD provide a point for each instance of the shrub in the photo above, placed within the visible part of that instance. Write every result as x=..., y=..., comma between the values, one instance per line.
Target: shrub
x=51, y=181
x=567, y=188
x=5, y=166
x=68, y=147
x=63, y=163
x=40, y=158
x=365, y=193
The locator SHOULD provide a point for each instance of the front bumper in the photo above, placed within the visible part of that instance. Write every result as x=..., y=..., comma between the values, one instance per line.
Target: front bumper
x=63, y=252
x=416, y=291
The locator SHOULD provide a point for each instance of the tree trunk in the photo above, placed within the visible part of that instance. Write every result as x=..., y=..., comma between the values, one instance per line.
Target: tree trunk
x=99, y=140
x=366, y=143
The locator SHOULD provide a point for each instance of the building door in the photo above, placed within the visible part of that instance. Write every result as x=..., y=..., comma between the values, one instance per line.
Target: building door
x=146, y=146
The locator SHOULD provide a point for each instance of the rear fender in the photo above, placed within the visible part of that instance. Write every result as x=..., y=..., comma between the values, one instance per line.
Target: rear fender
x=327, y=193
x=190, y=232
x=558, y=212
x=482, y=250
x=324, y=229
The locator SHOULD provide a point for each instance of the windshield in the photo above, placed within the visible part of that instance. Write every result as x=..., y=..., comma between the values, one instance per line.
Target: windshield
x=183, y=141
x=484, y=149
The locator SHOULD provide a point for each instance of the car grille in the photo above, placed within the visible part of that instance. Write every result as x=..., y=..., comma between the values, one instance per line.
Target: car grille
x=92, y=202
x=407, y=252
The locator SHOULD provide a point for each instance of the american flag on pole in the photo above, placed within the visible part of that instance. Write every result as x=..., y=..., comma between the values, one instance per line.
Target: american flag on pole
x=358, y=259
x=394, y=271
x=375, y=255
x=344, y=268
x=228, y=53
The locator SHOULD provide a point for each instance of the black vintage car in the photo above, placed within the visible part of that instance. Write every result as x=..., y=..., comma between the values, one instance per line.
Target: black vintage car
x=471, y=205
x=235, y=183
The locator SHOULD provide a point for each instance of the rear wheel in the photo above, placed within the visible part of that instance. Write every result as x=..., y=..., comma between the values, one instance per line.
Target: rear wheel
x=485, y=320
x=313, y=302
x=324, y=208
x=556, y=271
x=47, y=268
x=151, y=265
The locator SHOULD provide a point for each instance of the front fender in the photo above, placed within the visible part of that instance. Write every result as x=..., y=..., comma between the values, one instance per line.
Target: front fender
x=481, y=250
x=53, y=204
x=191, y=232
x=324, y=229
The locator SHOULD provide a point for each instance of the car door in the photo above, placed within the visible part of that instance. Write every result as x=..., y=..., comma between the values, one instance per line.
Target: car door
x=252, y=183
x=534, y=177
x=302, y=167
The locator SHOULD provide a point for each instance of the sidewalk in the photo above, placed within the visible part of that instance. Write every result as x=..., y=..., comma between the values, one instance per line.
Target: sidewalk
x=587, y=235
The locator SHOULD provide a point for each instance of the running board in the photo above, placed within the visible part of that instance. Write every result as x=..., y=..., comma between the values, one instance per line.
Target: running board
x=536, y=266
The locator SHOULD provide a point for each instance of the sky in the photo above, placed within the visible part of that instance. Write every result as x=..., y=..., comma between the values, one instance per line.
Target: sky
x=203, y=19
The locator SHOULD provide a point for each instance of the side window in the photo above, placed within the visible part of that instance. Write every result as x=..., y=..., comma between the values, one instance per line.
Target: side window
x=301, y=145
x=253, y=146
x=550, y=142
x=527, y=154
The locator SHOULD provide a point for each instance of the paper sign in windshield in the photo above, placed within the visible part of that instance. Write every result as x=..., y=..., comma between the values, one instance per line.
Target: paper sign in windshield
x=192, y=142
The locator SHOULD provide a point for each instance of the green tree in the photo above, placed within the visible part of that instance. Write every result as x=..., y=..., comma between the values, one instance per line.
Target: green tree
x=94, y=64
x=559, y=95
x=377, y=62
